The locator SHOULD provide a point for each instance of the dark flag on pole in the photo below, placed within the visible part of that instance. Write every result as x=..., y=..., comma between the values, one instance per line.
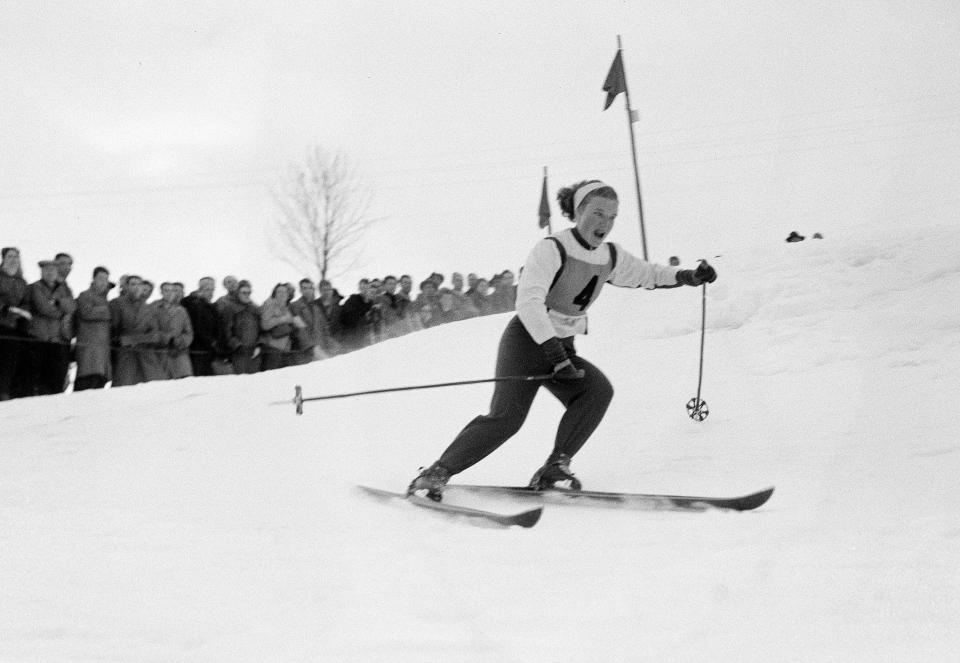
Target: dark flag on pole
x=616, y=82
x=544, y=212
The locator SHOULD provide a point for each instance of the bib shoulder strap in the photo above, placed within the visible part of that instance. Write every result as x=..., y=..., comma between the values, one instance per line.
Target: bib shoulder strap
x=563, y=260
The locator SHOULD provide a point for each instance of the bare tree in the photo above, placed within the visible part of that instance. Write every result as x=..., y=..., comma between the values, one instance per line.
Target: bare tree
x=324, y=212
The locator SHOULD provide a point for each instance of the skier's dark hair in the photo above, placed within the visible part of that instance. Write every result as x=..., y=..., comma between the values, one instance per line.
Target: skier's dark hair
x=565, y=197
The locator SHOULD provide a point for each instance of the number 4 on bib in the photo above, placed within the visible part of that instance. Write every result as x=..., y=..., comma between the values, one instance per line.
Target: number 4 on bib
x=586, y=295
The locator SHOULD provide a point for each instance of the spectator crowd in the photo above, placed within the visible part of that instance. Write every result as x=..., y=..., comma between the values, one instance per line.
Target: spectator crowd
x=129, y=338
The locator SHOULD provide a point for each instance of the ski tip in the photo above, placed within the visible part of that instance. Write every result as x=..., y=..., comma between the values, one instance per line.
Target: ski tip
x=528, y=518
x=755, y=500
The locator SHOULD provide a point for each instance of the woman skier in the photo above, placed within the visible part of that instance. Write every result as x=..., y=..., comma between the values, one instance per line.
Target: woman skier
x=561, y=279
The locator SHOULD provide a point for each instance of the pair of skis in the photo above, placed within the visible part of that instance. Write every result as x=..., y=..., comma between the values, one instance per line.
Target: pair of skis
x=530, y=517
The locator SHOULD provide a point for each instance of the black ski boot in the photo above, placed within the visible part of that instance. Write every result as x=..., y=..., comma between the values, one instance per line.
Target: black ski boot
x=556, y=469
x=432, y=480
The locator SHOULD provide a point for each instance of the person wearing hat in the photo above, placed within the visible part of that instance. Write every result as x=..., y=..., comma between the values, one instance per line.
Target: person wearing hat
x=51, y=329
x=562, y=277
x=94, y=368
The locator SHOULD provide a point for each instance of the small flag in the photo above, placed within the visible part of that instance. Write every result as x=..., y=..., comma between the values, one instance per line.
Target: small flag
x=544, y=212
x=634, y=116
x=616, y=82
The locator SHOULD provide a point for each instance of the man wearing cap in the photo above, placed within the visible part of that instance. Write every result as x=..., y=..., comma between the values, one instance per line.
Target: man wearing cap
x=51, y=328
x=93, y=333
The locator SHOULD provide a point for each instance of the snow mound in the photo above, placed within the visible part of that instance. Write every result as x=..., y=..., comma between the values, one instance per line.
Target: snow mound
x=196, y=521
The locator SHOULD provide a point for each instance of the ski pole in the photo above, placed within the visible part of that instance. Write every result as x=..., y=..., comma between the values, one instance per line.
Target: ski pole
x=299, y=400
x=696, y=408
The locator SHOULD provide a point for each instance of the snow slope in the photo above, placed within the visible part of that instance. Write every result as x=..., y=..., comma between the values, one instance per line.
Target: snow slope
x=194, y=521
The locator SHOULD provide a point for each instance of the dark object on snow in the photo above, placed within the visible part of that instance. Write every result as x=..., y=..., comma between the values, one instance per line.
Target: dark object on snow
x=795, y=237
x=817, y=236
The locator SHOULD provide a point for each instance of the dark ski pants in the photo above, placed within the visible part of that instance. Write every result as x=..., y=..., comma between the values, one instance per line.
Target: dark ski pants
x=586, y=402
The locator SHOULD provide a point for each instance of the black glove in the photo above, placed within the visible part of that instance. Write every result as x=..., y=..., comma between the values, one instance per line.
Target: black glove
x=704, y=273
x=564, y=371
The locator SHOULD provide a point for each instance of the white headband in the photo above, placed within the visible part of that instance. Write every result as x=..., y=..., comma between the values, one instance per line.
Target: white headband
x=585, y=191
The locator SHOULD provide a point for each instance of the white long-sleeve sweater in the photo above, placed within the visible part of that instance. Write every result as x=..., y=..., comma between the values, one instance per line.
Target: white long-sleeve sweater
x=542, y=266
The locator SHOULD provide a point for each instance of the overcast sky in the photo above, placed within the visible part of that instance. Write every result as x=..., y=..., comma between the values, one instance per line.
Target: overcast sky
x=147, y=136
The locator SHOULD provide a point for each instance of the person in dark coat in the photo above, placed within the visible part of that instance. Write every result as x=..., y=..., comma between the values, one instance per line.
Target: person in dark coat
x=357, y=316
x=51, y=327
x=392, y=308
x=409, y=318
x=94, y=368
x=14, y=318
x=328, y=321
x=205, y=321
x=240, y=325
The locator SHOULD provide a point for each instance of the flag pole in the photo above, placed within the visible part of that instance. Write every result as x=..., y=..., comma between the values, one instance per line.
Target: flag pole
x=633, y=150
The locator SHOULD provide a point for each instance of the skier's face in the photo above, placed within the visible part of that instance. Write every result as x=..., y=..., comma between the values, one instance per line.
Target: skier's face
x=595, y=219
